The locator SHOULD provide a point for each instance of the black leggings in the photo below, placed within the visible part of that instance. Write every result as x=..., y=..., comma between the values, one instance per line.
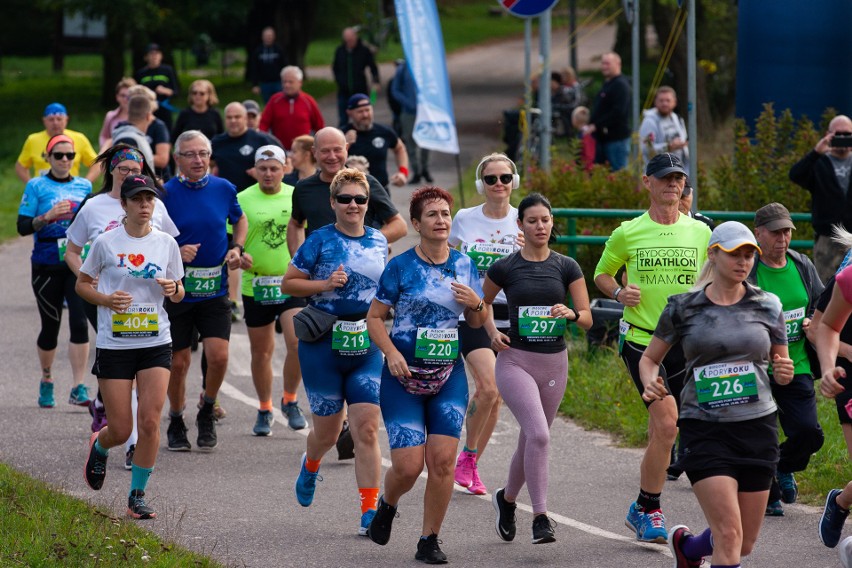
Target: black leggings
x=50, y=287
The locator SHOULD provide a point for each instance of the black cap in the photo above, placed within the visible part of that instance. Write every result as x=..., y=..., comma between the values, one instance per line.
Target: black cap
x=134, y=184
x=153, y=47
x=664, y=164
x=357, y=100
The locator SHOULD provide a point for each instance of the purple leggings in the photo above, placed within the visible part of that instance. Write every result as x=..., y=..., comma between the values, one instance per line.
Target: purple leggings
x=532, y=384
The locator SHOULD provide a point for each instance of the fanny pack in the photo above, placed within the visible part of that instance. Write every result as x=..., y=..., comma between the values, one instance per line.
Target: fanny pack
x=311, y=324
x=426, y=380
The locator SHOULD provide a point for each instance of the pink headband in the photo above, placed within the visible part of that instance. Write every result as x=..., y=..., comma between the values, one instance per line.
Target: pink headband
x=58, y=139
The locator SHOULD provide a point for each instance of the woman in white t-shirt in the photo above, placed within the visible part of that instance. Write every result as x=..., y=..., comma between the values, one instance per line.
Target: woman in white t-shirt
x=486, y=233
x=136, y=266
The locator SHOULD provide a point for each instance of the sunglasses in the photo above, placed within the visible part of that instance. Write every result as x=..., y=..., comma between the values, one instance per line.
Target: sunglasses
x=505, y=179
x=198, y=92
x=344, y=199
x=66, y=155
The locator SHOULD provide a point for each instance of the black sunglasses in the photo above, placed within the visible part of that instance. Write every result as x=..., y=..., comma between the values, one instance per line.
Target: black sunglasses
x=505, y=179
x=60, y=155
x=345, y=199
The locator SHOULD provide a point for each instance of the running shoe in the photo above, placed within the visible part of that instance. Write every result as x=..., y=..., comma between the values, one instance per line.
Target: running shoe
x=774, y=509
x=345, y=444
x=95, y=470
x=98, y=414
x=542, y=529
x=263, y=425
x=218, y=411
x=306, y=484
x=677, y=536
x=429, y=552
x=505, y=515
x=235, y=312
x=79, y=396
x=465, y=464
x=366, y=519
x=831, y=522
x=206, y=424
x=379, y=530
x=649, y=527
x=128, y=457
x=476, y=487
x=45, y=395
x=136, y=506
x=295, y=416
x=789, y=487
x=845, y=552
x=176, y=434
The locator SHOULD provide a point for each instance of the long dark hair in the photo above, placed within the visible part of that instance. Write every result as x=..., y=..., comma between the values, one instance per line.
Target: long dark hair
x=106, y=158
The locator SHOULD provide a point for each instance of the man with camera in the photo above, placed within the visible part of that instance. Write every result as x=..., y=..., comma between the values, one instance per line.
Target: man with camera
x=825, y=172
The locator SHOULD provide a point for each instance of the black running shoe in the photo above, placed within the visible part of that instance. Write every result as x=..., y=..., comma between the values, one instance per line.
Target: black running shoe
x=379, y=530
x=543, y=529
x=136, y=506
x=95, y=470
x=505, y=515
x=128, y=457
x=345, y=444
x=429, y=552
x=206, y=423
x=176, y=434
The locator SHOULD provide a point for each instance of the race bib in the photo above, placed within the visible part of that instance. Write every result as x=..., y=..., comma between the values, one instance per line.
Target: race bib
x=140, y=320
x=793, y=320
x=350, y=337
x=267, y=290
x=436, y=346
x=623, y=328
x=486, y=254
x=536, y=324
x=203, y=282
x=63, y=247
x=725, y=384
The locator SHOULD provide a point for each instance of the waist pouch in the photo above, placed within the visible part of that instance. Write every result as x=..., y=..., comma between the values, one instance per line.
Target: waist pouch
x=311, y=324
x=426, y=380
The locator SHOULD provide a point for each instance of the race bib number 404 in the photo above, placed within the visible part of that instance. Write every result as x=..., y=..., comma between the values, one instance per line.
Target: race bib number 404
x=436, y=346
x=536, y=324
x=725, y=384
x=140, y=320
x=202, y=282
x=486, y=254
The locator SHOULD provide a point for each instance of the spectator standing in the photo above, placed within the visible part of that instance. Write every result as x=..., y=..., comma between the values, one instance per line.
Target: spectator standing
x=373, y=141
x=33, y=161
x=588, y=145
x=351, y=61
x=662, y=130
x=292, y=112
x=266, y=64
x=404, y=90
x=162, y=80
x=825, y=172
x=610, y=121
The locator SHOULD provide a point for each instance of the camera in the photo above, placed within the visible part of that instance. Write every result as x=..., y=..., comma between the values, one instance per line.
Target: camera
x=842, y=140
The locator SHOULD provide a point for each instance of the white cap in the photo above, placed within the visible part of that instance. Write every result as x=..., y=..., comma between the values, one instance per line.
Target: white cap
x=271, y=153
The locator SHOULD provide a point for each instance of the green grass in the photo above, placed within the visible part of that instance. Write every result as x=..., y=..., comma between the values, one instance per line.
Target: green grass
x=44, y=527
x=601, y=396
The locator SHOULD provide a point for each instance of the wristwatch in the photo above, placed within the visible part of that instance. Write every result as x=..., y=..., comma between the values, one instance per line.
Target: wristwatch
x=241, y=247
x=616, y=293
x=480, y=307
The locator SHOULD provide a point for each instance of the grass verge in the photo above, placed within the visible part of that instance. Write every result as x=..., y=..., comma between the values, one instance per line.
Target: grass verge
x=44, y=527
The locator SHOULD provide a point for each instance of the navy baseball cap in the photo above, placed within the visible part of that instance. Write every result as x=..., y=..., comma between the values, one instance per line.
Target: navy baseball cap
x=357, y=100
x=664, y=164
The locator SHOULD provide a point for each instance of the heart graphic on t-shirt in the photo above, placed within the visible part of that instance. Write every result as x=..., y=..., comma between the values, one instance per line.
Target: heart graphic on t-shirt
x=136, y=259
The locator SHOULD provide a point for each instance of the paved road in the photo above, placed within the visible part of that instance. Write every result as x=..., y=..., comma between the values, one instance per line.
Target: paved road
x=237, y=503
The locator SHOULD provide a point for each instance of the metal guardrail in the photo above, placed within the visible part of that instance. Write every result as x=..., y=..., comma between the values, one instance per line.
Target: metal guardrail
x=572, y=239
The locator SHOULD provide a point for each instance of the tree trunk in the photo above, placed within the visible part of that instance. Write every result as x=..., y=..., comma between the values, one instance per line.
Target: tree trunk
x=113, y=58
x=58, y=43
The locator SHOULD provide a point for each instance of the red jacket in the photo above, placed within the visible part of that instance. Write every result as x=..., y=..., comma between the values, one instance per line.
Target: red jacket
x=286, y=118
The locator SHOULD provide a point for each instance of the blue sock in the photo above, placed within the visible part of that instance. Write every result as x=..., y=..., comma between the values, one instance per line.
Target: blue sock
x=468, y=450
x=102, y=451
x=698, y=546
x=139, y=477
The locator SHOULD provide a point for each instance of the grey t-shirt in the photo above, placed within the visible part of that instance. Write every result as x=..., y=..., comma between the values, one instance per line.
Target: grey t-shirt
x=842, y=169
x=727, y=353
x=532, y=288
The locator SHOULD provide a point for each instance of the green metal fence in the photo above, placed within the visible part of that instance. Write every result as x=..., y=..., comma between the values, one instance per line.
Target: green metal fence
x=572, y=239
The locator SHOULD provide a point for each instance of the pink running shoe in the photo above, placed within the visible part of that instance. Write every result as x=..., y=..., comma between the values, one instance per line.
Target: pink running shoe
x=476, y=487
x=465, y=466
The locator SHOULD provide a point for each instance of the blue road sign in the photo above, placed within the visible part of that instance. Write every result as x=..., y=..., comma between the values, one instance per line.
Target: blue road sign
x=527, y=8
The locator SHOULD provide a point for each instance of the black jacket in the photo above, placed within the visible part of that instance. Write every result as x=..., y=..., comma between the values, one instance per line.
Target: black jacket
x=611, y=115
x=266, y=64
x=349, y=68
x=830, y=205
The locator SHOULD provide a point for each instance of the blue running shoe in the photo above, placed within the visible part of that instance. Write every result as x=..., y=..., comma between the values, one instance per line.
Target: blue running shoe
x=649, y=527
x=789, y=487
x=366, y=519
x=306, y=484
x=831, y=522
x=45, y=395
x=263, y=425
x=79, y=396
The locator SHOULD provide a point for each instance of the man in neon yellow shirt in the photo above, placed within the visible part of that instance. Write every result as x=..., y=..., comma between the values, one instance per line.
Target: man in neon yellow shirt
x=32, y=162
x=268, y=205
x=663, y=251
x=794, y=279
